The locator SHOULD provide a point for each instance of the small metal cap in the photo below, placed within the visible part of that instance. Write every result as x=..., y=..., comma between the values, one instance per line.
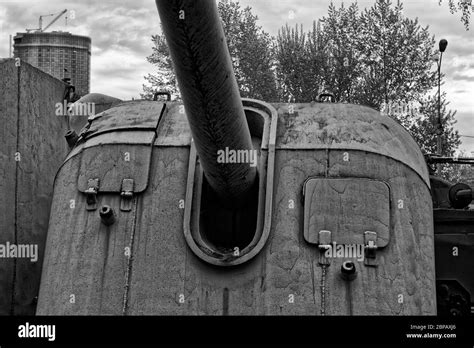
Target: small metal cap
x=71, y=138
x=348, y=270
x=107, y=215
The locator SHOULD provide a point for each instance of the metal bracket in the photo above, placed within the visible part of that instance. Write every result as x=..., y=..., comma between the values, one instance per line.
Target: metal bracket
x=370, y=246
x=91, y=194
x=324, y=243
x=126, y=194
x=168, y=95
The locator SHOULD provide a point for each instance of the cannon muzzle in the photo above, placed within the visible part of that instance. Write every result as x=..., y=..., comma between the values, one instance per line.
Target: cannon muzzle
x=209, y=90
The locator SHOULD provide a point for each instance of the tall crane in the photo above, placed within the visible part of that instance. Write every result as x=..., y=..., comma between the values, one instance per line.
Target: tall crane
x=41, y=29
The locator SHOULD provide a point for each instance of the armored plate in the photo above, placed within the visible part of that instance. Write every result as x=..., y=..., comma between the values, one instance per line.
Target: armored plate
x=118, y=146
x=347, y=208
x=162, y=269
x=174, y=127
x=133, y=115
x=347, y=127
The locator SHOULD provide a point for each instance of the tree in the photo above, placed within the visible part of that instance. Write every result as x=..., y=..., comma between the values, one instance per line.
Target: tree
x=297, y=81
x=341, y=35
x=250, y=48
x=396, y=54
x=377, y=58
x=372, y=58
x=322, y=60
x=165, y=79
x=420, y=121
x=465, y=6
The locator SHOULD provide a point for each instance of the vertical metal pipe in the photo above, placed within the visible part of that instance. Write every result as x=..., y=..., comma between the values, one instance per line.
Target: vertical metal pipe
x=209, y=90
x=439, y=130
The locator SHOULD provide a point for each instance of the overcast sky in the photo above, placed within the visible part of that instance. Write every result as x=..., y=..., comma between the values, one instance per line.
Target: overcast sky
x=121, y=39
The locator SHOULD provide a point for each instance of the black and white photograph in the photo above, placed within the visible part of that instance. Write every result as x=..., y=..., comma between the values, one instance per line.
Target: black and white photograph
x=191, y=171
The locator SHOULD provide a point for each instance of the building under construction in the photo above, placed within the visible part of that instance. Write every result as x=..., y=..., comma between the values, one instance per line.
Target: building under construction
x=60, y=54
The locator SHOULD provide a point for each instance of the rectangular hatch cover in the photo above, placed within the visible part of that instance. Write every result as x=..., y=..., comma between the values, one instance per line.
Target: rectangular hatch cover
x=347, y=207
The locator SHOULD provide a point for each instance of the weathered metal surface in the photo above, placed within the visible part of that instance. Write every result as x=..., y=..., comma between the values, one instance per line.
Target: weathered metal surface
x=201, y=214
x=347, y=207
x=288, y=266
x=86, y=262
x=100, y=103
x=160, y=251
x=32, y=149
x=113, y=163
x=116, y=149
x=347, y=126
x=131, y=115
x=406, y=265
x=163, y=276
x=174, y=131
x=209, y=90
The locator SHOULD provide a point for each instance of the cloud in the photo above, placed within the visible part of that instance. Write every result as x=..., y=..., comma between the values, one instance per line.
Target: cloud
x=462, y=77
x=465, y=126
x=120, y=32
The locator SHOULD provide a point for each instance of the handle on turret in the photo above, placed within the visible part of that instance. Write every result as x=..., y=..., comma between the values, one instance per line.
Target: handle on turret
x=156, y=94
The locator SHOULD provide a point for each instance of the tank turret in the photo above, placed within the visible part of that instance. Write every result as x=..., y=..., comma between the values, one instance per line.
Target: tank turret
x=333, y=217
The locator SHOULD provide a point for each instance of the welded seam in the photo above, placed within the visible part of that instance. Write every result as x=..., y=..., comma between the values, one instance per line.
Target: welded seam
x=324, y=266
x=134, y=224
x=349, y=298
x=312, y=277
x=130, y=259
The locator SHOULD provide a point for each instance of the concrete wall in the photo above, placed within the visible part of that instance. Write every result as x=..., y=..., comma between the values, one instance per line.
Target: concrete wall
x=32, y=147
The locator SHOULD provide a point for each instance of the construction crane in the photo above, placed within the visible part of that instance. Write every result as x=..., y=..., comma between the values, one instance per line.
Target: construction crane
x=41, y=29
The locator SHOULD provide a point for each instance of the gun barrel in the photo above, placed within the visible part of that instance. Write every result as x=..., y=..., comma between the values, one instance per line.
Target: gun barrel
x=209, y=90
